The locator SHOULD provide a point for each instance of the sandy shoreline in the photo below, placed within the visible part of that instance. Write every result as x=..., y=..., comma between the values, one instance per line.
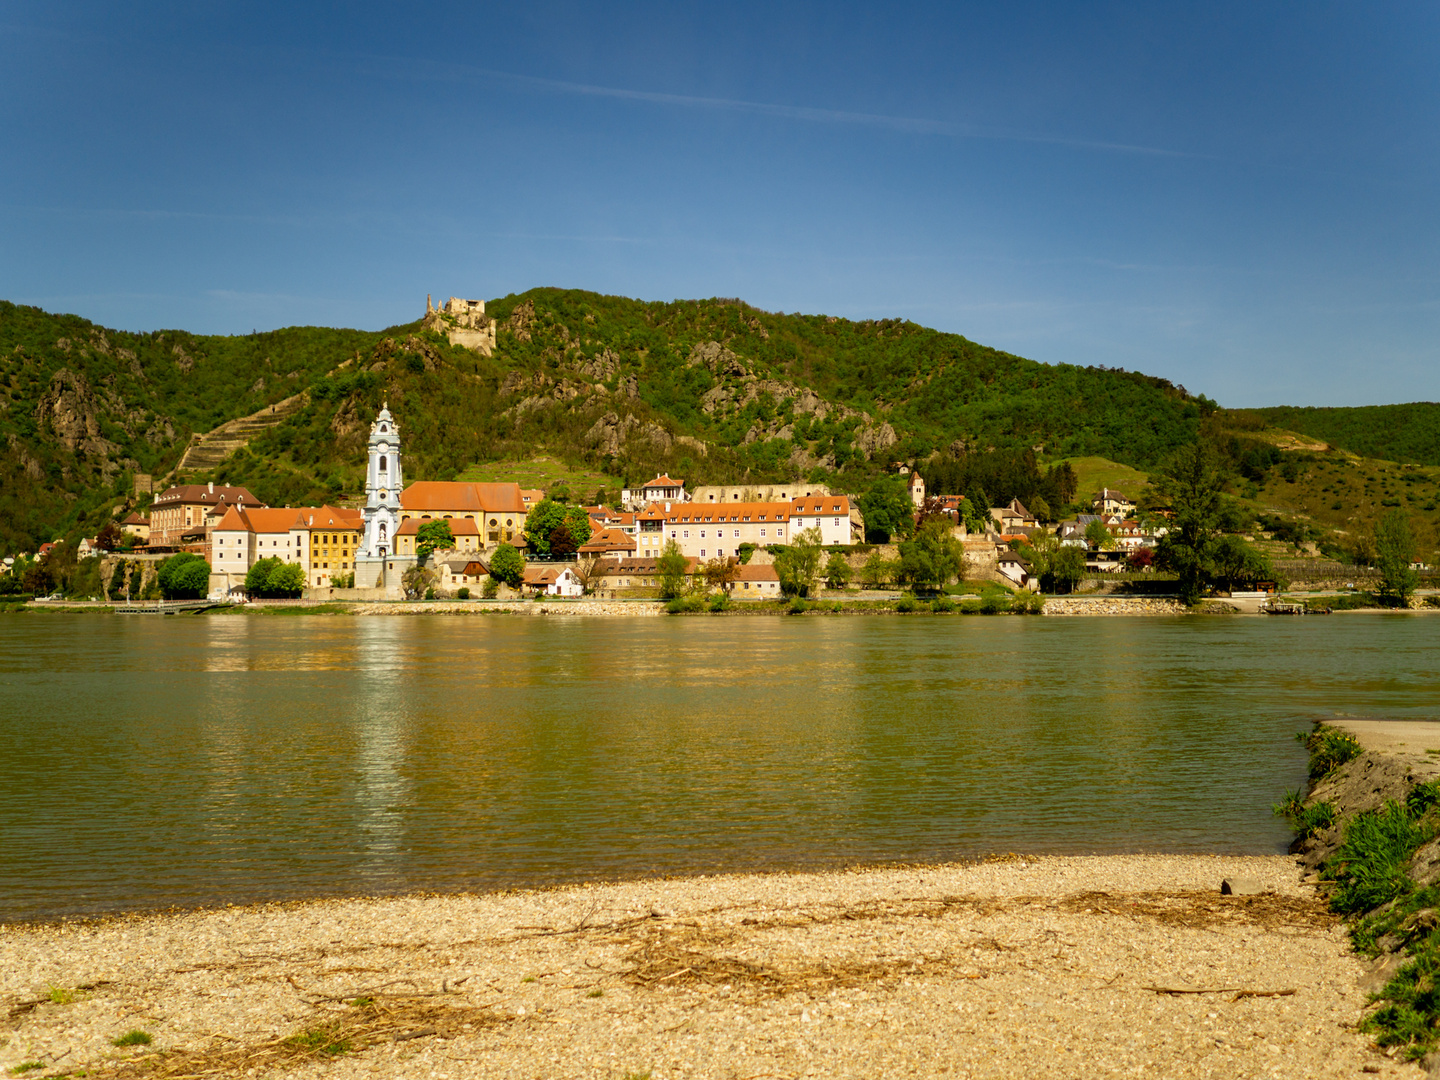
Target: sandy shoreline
x=1016, y=968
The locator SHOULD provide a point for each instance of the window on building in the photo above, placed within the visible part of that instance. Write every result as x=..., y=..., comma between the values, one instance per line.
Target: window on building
x=382, y=462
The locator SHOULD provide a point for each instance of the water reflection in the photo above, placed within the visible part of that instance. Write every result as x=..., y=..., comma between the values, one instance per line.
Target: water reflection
x=241, y=758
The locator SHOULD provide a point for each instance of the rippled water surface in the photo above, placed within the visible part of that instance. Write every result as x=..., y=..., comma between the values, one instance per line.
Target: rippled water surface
x=146, y=762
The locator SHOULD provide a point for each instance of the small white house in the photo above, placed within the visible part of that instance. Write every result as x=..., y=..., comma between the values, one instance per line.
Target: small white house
x=553, y=581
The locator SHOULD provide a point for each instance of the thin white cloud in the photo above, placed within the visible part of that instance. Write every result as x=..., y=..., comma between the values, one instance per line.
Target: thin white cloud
x=806, y=114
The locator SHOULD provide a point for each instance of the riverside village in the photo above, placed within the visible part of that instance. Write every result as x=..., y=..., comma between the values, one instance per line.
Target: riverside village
x=799, y=545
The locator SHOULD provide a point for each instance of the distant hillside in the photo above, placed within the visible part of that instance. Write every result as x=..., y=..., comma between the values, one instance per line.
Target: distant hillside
x=1405, y=433
x=713, y=390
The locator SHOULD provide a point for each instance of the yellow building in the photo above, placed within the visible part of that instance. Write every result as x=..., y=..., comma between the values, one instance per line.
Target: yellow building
x=334, y=543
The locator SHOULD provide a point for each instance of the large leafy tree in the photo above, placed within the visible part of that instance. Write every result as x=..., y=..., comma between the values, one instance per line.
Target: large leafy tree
x=1098, y=536
x=553, y=528
x=1394, y=552
x=1236, y=562
x=670, y=568
x=933, y=557
x=507, y=565
x=184, y=576
x=434, y=536
x=888, y=509
x=1188, y=486
x=274, y=578
x=798, y=566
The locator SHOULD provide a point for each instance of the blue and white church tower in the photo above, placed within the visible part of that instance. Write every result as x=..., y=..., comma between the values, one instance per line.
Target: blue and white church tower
x=384, y=481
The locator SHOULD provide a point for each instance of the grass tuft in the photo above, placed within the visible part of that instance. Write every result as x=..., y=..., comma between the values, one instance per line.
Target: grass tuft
x=1305, y=820
x=321, y=1041
x=1370, y=866
x=1329, y=749
x=26, y=1066
x=133, y=1037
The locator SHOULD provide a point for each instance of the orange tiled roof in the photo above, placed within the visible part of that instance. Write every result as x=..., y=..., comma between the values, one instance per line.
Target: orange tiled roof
x=458, y=497
x=458, y=526
x=663, y=481
x=821, y=504
x=752, y=572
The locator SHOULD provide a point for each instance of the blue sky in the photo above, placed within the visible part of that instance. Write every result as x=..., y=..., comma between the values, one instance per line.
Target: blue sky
x=1242, y=198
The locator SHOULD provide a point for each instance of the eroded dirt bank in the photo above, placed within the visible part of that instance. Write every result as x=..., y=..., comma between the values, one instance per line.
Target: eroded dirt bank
x=1056, y=967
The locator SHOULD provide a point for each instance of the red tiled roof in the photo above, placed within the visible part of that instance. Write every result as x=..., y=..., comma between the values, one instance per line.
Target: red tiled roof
x=663, y=481
x=201, y=493
x=607, y=540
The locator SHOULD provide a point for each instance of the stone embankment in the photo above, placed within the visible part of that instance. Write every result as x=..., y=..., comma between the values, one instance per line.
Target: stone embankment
x=1112, y=605
x=515, y=607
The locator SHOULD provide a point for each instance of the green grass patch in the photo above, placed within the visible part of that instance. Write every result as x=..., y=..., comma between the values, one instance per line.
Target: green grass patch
x=133, y=1037
x=686, y=605
x=321, y=1041
x=60, y=995
x=1329, y=749
x=25, y=1066
x=1305, y=820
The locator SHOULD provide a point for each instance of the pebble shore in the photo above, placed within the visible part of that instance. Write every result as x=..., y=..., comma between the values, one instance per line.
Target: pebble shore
x=1102, y=966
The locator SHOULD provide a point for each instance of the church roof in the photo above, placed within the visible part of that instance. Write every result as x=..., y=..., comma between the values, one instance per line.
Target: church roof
x=457, y=497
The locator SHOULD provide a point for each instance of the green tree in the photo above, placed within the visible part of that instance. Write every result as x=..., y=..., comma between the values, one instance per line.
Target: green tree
x=257, y=578
x=1098, y=536
x=798, y=566
x=1067, y=567
x=117, y=579
x=720, y=572
x=1189, y=487
x=1237, y=562
x=888, y=509
x=184, y=576
x=837, y=571
x=552, y=528
x=933, y=557
x=1394, y=552
x=434, y=536
x=287, y=580
x=507, y=565
x=670, y=568
x=274, y=578
x=877, y=571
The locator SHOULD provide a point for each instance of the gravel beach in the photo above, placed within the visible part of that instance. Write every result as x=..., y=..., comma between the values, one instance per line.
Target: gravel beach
x=1057, y=967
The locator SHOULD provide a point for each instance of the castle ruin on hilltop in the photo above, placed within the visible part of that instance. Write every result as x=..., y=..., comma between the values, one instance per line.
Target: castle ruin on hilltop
x=463, y=322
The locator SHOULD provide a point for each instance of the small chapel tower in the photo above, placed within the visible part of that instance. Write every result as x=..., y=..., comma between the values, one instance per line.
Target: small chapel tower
x=383, y=484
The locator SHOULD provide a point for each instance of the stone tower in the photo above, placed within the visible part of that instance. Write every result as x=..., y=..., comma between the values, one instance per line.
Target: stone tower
x=384, y=480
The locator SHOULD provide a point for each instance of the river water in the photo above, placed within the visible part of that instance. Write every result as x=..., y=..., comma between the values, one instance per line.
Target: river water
x=147, y=762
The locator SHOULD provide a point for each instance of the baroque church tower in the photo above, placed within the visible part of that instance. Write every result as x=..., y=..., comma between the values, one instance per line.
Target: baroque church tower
x=383, y=484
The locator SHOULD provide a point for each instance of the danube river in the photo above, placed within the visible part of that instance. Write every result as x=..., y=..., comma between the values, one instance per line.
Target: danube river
x=146, y=762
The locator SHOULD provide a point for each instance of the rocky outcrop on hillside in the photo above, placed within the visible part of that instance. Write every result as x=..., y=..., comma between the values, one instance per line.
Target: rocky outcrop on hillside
x=71, y=411
x=610, y=434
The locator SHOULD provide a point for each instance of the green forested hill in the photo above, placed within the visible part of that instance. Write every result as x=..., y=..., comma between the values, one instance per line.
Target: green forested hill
x=714, y=391
x=1407, y=433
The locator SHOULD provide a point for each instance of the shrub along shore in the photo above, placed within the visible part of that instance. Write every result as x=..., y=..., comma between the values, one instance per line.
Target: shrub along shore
x=1369, y=830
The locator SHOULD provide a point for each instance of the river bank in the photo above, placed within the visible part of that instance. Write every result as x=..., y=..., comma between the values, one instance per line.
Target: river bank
x=1055, y=966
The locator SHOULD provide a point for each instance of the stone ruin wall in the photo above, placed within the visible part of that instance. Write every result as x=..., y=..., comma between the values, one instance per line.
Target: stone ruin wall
x=463, y=322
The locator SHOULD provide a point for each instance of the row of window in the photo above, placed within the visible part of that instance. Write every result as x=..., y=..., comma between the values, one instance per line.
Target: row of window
x=719, y=532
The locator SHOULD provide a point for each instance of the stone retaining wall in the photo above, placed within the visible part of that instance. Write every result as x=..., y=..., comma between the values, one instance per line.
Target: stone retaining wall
x=543, y=607
x=1112, y=605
